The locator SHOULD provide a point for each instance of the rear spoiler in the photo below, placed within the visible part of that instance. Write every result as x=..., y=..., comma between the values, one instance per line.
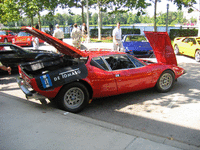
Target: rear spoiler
x=162, y=47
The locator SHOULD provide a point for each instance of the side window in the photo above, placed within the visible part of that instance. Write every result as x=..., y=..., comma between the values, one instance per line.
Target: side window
x=99, y=63
x=186, y=40
x=117, y=62
x=136, y=62
x=193, y=40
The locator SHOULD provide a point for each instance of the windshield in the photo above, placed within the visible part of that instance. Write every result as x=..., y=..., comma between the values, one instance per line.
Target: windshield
x=136, y=38
x=24, y=34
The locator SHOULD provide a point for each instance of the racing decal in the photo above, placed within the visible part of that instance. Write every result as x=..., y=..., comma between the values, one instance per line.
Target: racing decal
x=61, y=76
x=46, y=81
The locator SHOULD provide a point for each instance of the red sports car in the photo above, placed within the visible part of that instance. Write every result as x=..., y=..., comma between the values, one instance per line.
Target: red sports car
x=6, y=36
x=78, y=76
x=24, y=39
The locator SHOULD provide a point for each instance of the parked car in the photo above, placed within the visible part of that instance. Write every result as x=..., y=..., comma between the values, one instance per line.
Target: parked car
x=12, y=55
x=6, y=36
x=24, y=39
x=80, y=76
x=189, y=46
x=137, y=45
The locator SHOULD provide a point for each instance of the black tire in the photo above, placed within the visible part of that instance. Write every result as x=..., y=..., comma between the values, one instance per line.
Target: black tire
x=197, y=56
x=176, y=50
x=73, y=97
x=165, y=82
x=5, y=40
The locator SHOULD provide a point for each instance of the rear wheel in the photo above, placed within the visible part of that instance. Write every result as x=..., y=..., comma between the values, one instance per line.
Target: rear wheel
x=73, y=97
x=197, y=55
x=165, y=82
x=176, y=50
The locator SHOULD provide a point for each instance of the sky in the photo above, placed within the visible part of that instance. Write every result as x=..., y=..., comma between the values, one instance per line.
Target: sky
x=161, y=7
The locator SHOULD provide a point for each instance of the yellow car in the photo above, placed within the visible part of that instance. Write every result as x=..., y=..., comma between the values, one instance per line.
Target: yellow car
x=189, y=46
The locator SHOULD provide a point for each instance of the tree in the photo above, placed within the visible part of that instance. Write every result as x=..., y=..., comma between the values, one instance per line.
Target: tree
x=9, y=11
x=179, y=3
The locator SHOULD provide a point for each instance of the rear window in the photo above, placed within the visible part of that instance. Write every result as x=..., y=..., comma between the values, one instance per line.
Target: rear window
x=99, y=63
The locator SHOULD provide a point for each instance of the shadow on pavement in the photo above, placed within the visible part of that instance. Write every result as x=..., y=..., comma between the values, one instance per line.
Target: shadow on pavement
x=147, y=111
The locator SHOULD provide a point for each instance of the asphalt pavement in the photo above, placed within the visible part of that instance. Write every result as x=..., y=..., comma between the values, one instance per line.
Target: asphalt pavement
x=26, y=125
x=30, y=125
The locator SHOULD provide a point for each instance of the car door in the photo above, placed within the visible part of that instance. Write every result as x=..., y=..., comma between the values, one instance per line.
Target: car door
x=101, y=78
x=130, y=74
x=191, y=47
x=186, y=46
x=10, y=36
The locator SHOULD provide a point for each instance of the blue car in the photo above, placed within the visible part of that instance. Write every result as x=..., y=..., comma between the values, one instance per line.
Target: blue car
x=137, y=45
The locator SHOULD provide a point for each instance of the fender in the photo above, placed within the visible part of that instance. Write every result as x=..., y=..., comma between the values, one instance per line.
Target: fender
x=61, y=76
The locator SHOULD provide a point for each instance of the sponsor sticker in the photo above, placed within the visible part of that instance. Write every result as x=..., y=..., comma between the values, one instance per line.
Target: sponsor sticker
x=46, y=81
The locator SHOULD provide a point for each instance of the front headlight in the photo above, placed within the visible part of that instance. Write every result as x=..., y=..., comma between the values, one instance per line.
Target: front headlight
x=0, y=37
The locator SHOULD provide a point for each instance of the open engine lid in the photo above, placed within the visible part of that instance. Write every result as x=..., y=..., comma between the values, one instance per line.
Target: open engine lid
x=161, y=44
x=58, y=44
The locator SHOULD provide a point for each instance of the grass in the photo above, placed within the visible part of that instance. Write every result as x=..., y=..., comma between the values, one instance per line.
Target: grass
x=103, y=40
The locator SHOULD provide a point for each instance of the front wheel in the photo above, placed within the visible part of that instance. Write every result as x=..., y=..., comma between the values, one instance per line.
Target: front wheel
x=197, y=55
x=73, y=97
x=165, y=82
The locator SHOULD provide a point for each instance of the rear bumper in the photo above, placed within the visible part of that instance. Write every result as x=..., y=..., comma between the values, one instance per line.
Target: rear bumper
x=30, y=94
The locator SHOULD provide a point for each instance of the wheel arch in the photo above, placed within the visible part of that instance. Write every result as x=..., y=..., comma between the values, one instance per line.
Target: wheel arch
x=169, y=70
x=86, y=84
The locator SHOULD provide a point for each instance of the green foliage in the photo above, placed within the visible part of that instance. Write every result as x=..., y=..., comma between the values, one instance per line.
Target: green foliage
x=108, y=32
x=182, y=33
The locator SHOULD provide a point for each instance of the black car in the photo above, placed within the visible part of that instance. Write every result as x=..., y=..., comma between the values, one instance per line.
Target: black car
x=12, y=55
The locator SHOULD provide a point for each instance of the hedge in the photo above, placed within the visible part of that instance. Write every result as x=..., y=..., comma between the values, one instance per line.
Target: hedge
x=182, y=33
x=108, y=32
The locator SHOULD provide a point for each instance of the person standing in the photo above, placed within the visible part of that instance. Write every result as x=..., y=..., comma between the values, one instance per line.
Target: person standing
x=2, y=67
x=84, y=31
x=76, y=36
x=117, y=34
x=58, y=33
x=35, y=42
x=37, y=26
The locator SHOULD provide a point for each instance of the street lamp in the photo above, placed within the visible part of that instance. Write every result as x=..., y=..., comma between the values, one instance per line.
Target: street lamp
x=88, y=27
x=167, y=18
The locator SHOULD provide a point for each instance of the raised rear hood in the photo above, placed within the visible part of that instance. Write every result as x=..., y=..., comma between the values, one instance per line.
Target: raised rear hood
x=161, y=44
x=58, y=44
